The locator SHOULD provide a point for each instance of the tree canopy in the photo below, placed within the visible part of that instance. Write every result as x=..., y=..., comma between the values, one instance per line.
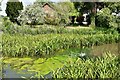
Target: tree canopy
x=0, y=5
x=33, y=14
x=114, y=6
x=12, y=9
x=36, y=15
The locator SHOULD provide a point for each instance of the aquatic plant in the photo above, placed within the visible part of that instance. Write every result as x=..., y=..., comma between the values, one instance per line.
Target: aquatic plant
x=49, y=44
x=106, y=66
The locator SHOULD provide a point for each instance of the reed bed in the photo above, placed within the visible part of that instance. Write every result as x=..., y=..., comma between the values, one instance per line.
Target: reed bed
x=49, y=44
x=107, y=66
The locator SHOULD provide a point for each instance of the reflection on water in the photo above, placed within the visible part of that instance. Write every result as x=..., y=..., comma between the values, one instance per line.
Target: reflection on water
x=51, y=63
x=99, y=50
x=8, y=72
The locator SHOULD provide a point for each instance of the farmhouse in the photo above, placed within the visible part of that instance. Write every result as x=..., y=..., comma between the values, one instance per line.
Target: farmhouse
x=48, y=9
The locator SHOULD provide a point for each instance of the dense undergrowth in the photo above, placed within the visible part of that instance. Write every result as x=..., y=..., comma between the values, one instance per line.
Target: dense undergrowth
x=11, y=28
x=47, y=29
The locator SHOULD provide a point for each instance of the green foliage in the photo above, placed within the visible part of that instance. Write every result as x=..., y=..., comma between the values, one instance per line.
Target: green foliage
x=105, y=19
x=41, y=45
x=50, y=29
x=32, y=14
x=101, y=67
x=83, y=6
x=52, y=20
x=9, y=27
x=113, y=6
x=13, y=8
x=66, y=9
x=36, y=15
x=0, y=7
x=118, y=21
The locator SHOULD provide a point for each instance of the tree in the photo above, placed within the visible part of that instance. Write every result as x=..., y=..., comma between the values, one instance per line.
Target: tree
x=113, y=6
x=83, y=6
x=0, y=5
x=66, y=9
x=12, y=9
x=105, y=19
x=32, y=15
x=0, y=8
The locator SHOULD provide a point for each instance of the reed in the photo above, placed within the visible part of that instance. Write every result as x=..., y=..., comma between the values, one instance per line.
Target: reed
x=49, y=44
x=106, y=66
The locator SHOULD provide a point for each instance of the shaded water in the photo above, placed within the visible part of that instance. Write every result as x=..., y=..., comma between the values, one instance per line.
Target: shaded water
x=44, y=66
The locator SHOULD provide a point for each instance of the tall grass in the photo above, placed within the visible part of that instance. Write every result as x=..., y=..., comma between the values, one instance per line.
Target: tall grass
x=107, y=66
x=49, y=44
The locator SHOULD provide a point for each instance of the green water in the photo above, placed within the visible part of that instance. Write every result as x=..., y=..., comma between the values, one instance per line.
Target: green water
x=36, y=67
x=41, y=66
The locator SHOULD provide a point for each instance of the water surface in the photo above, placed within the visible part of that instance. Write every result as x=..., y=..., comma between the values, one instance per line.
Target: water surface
x=34, y=67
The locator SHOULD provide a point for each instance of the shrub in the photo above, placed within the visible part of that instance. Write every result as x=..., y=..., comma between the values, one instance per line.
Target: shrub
x=105, y=19
x=54, y=20
x=32, y=15
x=9, y=27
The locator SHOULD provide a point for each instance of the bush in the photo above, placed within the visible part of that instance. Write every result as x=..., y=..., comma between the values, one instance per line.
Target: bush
x=9, y=27
x=54, y=20
x=32, y=15
x=105, y=19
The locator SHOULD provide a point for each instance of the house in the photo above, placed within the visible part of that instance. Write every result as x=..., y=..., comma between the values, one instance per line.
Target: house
x=51, y=13
x=50, y=9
